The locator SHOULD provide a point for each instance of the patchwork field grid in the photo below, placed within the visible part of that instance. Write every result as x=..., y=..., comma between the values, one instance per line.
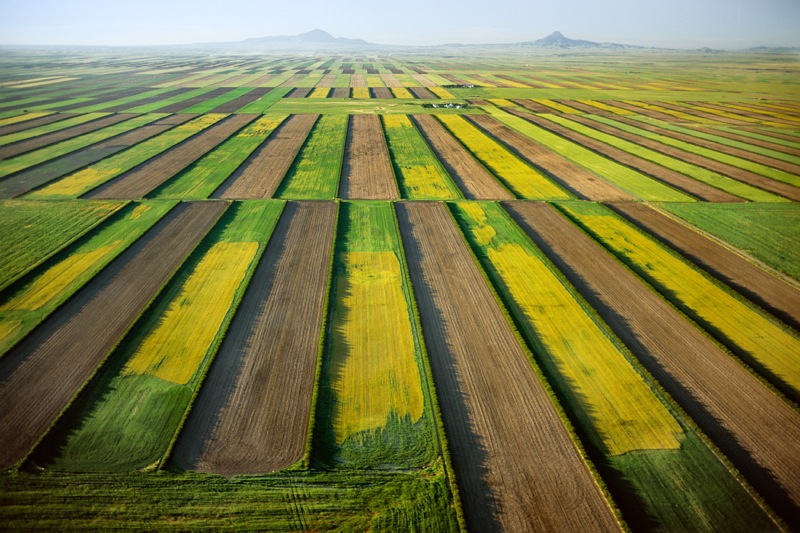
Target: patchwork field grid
x=524, y=291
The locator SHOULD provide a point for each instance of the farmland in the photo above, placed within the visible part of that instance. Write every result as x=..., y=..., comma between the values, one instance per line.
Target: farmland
x=302, y=292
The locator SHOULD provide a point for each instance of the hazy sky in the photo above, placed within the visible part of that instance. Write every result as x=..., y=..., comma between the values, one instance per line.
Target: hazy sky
x=668, y=23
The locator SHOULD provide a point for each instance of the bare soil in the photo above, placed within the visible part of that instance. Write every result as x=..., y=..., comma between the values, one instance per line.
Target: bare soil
x=422, y=92
x=745, y=176
x=472, y=178
x=756, y=429
x=766, y=290
x=42, y=374
x=35, y=122
x=238, y=103
x=47, y=139
x=145, y=177
x=299, y=92
x=533, y=106
x=185, y=104
x=381, y=92
x=252, y=413
x=367, y=173
x=340, y=92
x=261, y=174
x=577, y=179
x=150, y=100
x=516, y=465
x=27, y=180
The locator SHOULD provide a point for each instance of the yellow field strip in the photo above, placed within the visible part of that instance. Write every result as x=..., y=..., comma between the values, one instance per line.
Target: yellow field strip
x=614, y=398
x=759, y=336
x=175, y=348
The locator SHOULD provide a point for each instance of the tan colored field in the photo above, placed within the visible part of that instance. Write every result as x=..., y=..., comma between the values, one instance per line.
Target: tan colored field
x=568, y=174
x=517, y=468
x=252, y=414
x=261, y=174
x=42, y=373
x=671, y=177
x=367, y=171
x=471, y=177
x=756, y=429
x=147, y=176
x=770, y=292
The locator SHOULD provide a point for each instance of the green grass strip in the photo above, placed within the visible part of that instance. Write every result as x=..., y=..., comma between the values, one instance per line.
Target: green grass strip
x=754, y=135
x=206, y=174
x=768, y=232
x=87, y=179
x=625, y=178
x=48, y=128
x=316, y=171
x=121, y=101
x=149, y=108
x=738, y=162
x=709, y=177
x=213, y=103
x=32, y=299
x=29, y=159
x=265, y=102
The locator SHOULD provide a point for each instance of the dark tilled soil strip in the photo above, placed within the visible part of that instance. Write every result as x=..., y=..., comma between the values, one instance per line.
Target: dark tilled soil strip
x=566, y=173
x=340, y=92
x=516, y=466
x=755, y=428
x=185, y=104
x=105, y=98
x=533, y=106
x=151, y=100
x=47, y=139
x=471, y=177
x=671, y=177
x=32, y=123
x=381, y=92
x=144, y=178
x=30, y=179
x=238, y=103
x=766, y=290
x=252, y=413
x=422, y=92
x=367, y=171
x=40, y=376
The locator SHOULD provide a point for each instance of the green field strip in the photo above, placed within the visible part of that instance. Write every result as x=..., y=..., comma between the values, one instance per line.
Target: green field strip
x=317, y=169
x=738, y=162
x=420, y=174
x=709, y=177
x=154, y=106
x=122, y=101
x=213, y=103
x=521, y=178
x=374, y=411
x=615, y=405
x=80, y=182
x=206, y=174
x=161, y=363
x=755, y=135
x=50, y=128
x=30, y=232
x=35, y=157
x=623, y=177
x=759, y=339
x=789, y=158
x=32, y=299
x=767, y=232
x=22, y=117
x=267, y=101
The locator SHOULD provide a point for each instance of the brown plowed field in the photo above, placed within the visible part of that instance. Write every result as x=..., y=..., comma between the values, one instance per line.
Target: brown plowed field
x=252, y=413
x=566, y=173
x=340, y=92
x=238, y=103
x=390, y=80
x=422, y=92
x=62, y=135
x=471, y=177
x=27, y=180
x=299, y=92
x=261, y=174
x=422, y=80
x=671, y=177
x=751, y=178
x=358, y=80
x=367, y=173
x=185, y=104
x=533, y=106
x=151, y=100
x=703, y=114
x=717, y=147
x=750, y=140
x=381, y=92
x=666, y=117
x=752, y=114
x=144, y=178
x=35, y=122
x=756, y=429
x=110, y=97
x=517, y=468
x=327, y=81
x=42, y=374
x=763, y=288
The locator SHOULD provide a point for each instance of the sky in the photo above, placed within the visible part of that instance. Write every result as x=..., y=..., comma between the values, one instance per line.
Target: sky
x=689, y=24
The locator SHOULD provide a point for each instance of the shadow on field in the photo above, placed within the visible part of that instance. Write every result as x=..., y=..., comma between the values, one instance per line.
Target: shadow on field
x=469, y=455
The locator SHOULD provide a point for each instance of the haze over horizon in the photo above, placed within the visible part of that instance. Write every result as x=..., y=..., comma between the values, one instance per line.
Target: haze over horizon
x=688, y=24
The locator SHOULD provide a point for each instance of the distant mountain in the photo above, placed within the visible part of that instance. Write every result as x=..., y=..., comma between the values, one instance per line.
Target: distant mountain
x=311, y=38
x=559, y=41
